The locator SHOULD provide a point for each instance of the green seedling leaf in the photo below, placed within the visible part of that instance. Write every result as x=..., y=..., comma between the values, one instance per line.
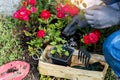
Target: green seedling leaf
x=53, y=51
x=67, y=53
x=53, y=43
x=58, y=50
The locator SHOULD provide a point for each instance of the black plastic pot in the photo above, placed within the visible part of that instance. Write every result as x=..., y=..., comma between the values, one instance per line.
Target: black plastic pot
x=60, y=61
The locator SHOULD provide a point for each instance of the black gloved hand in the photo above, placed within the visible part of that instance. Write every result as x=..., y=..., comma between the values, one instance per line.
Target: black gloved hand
x=77, y=21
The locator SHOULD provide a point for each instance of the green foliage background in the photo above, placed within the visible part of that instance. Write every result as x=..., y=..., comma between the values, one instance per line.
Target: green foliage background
x=9, y=43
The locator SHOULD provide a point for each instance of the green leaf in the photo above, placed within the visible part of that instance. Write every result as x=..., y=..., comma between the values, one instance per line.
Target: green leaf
x=53, y=51
x=58, y=39
x=27, y=33
x=82, y=40
x=67, y=53
x=53, y=43
x=31, y=50
x=59, y=51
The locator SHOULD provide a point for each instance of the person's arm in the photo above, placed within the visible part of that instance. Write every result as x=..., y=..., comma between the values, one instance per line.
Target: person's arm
x=102, y=16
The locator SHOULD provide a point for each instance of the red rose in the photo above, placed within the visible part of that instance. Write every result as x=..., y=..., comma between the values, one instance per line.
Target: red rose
x=32, y=2
x=73, y=11
x=22, y=14
x=66, y=8
x=45, y=14
x=86, y=40
x=60, y=14
x=93, y=38
x=41, y=33
x=97, y=32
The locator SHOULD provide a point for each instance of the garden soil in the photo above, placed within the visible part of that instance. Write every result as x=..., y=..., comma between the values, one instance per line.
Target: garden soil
x=33, y=74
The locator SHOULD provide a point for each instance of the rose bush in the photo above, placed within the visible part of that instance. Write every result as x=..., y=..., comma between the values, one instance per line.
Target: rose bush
x=42, y=22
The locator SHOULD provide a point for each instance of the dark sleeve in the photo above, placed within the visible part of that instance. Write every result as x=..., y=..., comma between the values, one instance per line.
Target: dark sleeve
x=108, y=2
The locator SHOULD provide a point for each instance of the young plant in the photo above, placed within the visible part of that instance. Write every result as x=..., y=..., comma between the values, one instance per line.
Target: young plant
x=61, y=55
x=59, y=50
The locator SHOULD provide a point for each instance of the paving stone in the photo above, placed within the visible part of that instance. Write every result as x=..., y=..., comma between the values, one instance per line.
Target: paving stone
x=8, y=7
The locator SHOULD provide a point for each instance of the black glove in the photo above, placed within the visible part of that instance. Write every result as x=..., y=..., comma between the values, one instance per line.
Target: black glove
x=77, y=22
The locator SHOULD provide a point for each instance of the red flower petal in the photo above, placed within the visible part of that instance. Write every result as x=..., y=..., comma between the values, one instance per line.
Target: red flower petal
x=73, y=11
x=93, y=38
x=97, y=32
x=32, y=2
x=41, y=33
x=45, y=14
x=60, y=14
x=66, y=8
x=86, y=40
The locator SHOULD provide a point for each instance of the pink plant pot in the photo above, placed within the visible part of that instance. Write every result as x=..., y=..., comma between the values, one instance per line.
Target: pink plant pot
x=15, y=70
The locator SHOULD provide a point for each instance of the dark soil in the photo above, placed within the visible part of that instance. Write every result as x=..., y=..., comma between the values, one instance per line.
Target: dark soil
x=33, y=74
x=63, y=57
x=12, y=70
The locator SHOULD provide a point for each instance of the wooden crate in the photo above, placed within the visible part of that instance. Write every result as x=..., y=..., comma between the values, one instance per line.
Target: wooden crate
x=46, y=68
